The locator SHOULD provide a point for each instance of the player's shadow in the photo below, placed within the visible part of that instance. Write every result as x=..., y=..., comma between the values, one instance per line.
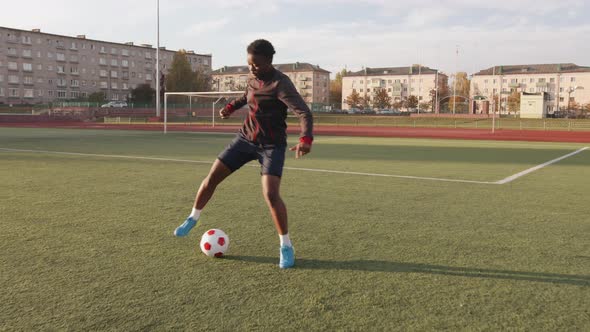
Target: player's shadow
x=398, y=267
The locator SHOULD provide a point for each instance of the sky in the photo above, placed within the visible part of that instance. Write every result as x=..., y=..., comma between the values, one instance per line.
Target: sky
x=450, y=35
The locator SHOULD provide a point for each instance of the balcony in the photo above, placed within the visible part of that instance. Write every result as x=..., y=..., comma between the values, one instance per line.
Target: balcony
x=514, y=85
x=542, y=85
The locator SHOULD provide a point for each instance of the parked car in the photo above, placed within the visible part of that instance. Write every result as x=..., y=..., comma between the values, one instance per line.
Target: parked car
x=354, y=111
x=117, y=104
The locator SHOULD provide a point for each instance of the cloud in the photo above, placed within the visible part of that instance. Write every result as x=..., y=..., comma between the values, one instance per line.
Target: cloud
x=207, y=26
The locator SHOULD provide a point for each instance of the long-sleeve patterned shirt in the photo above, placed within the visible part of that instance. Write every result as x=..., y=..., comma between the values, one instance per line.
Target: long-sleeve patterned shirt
x=268, y=101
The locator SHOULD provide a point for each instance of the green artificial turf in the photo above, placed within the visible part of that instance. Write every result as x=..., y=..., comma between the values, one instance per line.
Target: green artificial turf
x=86, y=241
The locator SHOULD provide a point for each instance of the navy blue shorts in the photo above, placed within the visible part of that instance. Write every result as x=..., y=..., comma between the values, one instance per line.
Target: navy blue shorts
x=241, y=151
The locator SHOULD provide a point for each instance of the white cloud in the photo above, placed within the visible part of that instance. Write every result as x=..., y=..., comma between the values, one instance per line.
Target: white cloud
x=207, y=26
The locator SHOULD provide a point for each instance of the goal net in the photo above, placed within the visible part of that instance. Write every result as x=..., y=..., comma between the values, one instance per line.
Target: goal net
x=195, y=105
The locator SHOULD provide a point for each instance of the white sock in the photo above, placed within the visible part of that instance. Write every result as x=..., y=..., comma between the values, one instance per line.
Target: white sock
x=285, y=241
x=195, y=214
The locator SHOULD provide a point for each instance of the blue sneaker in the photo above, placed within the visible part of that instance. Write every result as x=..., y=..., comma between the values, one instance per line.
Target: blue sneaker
x=287, y=257
x=186, y=227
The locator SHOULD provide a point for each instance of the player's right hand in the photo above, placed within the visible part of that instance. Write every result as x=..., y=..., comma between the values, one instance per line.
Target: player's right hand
x=224, y=113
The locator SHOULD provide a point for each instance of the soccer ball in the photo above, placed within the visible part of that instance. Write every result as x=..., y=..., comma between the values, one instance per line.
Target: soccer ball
x=214, y=243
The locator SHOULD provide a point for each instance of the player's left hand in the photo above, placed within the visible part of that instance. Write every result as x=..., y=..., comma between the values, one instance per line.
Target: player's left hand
x=301, y=149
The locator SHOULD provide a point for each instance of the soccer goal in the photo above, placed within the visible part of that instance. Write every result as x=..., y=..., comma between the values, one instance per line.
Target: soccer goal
x=214, y=97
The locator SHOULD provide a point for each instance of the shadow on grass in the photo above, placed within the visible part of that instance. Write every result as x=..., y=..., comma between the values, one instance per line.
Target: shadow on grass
x=397, y=267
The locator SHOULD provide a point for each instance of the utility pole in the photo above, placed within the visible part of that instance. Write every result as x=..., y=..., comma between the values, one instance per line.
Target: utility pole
x=158, y=59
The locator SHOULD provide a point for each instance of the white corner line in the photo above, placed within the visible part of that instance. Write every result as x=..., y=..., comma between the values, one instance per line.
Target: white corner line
x=209, y=162
x=538, y=167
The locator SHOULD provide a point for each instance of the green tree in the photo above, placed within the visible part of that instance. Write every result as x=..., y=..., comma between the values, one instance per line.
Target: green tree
x=97, y=97
x=411, y=102
x=460, y=89
x=354, y=100
x=202, y=81
x=336, y=89
x=180, y=77
x=381, y=99
x=143, y=93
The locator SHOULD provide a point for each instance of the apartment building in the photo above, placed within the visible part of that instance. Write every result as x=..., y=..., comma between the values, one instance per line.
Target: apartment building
x=399, y=82
x=312, y=82
x=563, y=83
x=37, y=67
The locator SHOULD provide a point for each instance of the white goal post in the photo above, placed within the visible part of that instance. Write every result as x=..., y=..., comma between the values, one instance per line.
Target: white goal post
x=217, y=96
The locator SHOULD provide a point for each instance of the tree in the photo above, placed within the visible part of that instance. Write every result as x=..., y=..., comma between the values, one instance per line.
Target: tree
x=425, y=106
x=97, y=97
x=514, y=102
x=354, y=100
x=336, y=88
x=398, y=104
x=381, y=99
x=411, y=102
x=181, y=77
x=461, y=87
x=143, y=93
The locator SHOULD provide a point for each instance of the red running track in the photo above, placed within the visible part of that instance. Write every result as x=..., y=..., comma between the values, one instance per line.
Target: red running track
x=444, y=133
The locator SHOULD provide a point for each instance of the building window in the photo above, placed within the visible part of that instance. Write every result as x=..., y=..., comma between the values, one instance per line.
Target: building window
x=60, y=57
x=13, y=92
x=148, y=76
x=1, y=92
x=114, y=85
x=49, y=68
x=125, y=63
x=103, y=85
x=514, y=80
x=12, y=66
x=113, y=50
x=573, y=79
x=61, y=70
x=39, y=93
x=73, y=46
x=541, y=80
x=61, y=94
x=12, y=51
x=125, y=86
x=28, y=93
x=27, y=54
x=13, y=79
x=148, y=55
x=74, y=70
x=102, y=61
x=26, y=40
x=74, y=94
x=114, y=62
x=102, y=49
x=50, y=93
x=103, y=73
x=27, y=67
x=561, y=99
x=74, y=83
x=114, y=74
x=28, y=80
x=125, y=52
x=61, y=82
x=49, y=55
x=73, y=58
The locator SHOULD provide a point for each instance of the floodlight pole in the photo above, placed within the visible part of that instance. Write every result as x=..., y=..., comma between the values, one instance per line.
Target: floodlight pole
x=158, y=60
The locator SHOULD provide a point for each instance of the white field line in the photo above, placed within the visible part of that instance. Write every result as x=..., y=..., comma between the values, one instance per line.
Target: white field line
x=503, y=181
x=538, y=167
x=209, y=162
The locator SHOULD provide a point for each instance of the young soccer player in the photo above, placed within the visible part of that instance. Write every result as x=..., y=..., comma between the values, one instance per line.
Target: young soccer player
x=262, y=137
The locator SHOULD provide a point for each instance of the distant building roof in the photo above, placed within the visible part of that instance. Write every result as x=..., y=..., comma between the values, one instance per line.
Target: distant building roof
x=534, y=69
x=286, y=67
x=412, y=70
x=83, y=38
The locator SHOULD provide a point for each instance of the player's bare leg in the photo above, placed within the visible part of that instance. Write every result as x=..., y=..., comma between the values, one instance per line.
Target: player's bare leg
x=216, y=175
x=271, y=191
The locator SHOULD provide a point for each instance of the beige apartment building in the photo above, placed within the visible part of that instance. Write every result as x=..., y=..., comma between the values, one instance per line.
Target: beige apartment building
x=311, y=81
x=566, y=82
x=38, y=67
x=400, y=83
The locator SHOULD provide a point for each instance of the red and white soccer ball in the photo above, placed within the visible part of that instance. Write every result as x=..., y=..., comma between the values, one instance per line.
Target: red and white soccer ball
x=214, y=243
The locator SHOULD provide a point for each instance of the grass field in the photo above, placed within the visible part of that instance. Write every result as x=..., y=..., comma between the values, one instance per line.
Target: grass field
x=87, y=243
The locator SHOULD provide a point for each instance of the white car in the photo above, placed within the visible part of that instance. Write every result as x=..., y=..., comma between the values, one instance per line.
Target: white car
x=117, y=104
